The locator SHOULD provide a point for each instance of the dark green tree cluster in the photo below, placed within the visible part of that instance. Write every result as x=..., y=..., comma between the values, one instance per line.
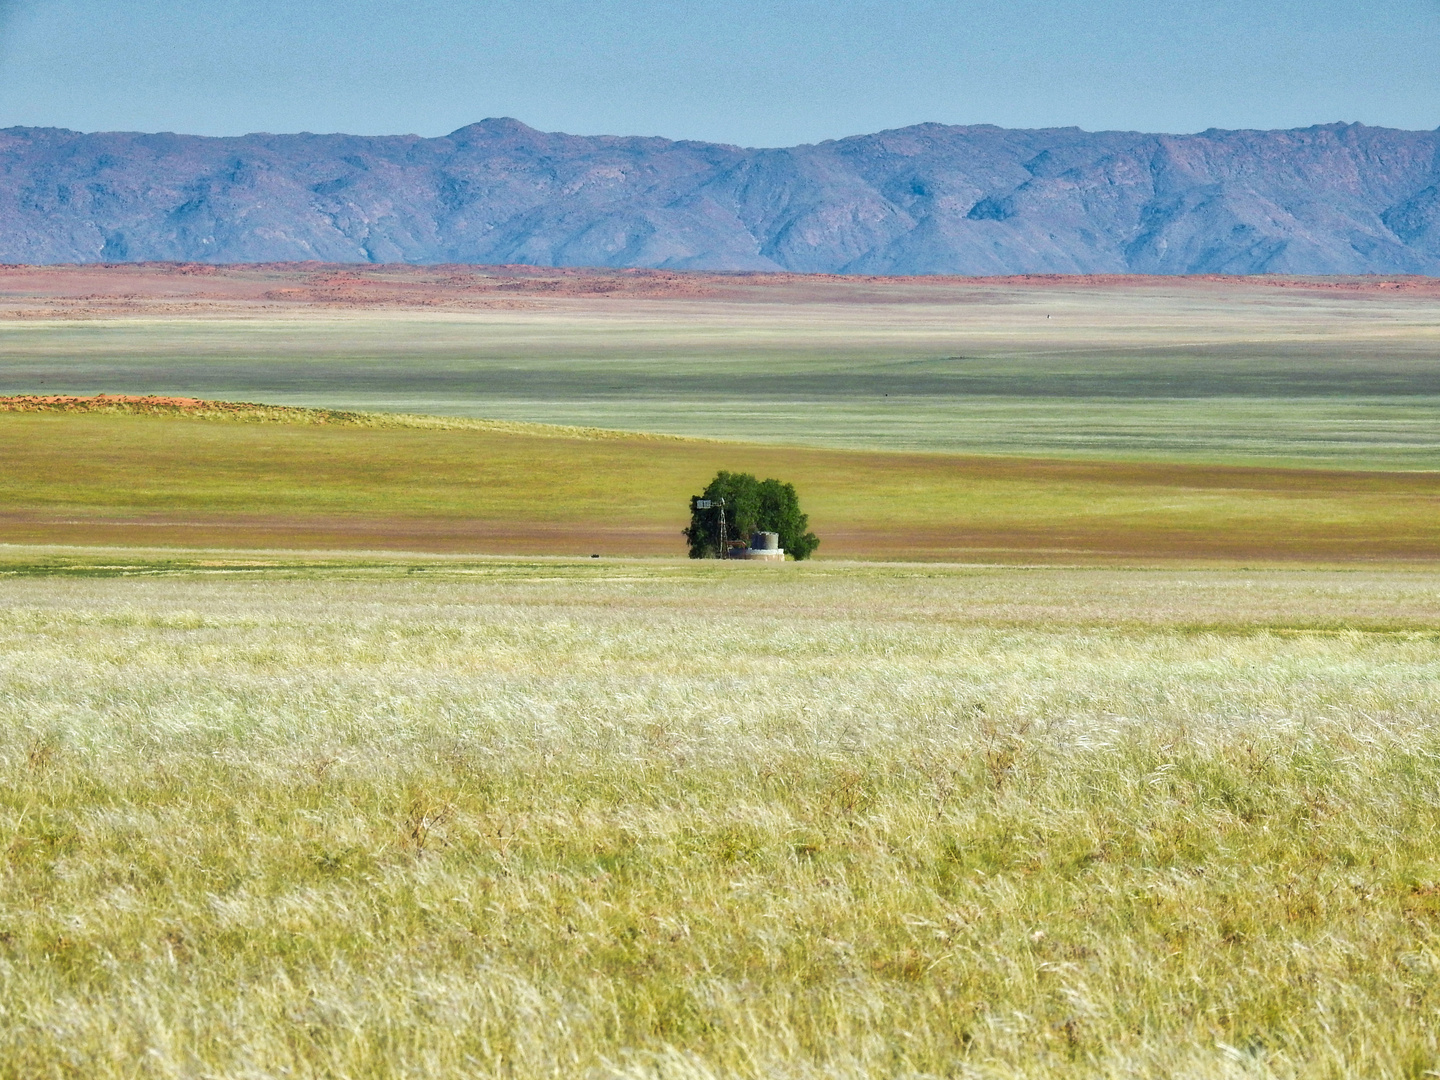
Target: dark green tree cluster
x=750, y=506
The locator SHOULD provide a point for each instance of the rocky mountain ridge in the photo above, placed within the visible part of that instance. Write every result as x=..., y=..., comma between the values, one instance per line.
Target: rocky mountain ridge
x=1334, y=199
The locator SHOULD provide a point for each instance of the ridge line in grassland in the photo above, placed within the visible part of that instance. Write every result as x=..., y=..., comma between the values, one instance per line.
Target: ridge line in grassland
x=259, y=413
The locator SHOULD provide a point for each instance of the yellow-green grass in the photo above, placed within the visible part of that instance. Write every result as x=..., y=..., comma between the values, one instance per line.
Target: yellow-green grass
x=76, y=478
x=475, y=818
x=1175, y=370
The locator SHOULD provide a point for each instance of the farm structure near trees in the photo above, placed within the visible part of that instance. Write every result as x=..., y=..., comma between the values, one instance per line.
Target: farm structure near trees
x=736, y=507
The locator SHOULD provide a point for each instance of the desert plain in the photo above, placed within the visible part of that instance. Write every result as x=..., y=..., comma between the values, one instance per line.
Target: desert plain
x=1099, y=739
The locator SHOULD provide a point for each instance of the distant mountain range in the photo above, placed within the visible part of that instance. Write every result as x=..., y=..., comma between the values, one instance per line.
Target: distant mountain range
x=1337, y=199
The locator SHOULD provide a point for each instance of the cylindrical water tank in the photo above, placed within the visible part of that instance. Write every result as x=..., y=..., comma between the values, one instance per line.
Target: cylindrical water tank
x=765, y=541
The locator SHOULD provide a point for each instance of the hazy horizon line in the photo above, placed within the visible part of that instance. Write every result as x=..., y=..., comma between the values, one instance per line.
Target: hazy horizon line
x=1333, y=124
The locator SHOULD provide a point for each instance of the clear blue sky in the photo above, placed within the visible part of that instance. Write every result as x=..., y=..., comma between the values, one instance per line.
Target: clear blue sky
x=753, y=72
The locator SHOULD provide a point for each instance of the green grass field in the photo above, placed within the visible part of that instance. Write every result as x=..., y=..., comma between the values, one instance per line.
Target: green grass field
x=76, y=478
x=445, y=817
x=1238, y=373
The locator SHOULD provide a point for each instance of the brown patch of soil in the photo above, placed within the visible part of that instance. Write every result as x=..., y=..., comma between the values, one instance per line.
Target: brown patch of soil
x=334, y=533
x=1063, y=544
x=94, y=291
x=1126, y=545
x=101, y=402
x=159, y=405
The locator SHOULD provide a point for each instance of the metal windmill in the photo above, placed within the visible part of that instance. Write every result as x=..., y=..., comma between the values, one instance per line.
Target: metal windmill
x=710, y=504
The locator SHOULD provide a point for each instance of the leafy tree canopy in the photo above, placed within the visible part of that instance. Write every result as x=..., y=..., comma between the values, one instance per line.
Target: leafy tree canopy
x=751, y=505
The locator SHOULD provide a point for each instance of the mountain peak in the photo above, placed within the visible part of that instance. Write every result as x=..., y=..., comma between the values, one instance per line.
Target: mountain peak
x=494, y=126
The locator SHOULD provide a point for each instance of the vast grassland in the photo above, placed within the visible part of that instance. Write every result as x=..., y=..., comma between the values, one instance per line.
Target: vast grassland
x=271, y=814
x=465, y=818
x=944, y=420
x=77, y=478
x=1182, y=371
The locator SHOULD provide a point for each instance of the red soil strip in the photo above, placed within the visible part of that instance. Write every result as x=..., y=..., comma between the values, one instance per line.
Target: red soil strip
x=68, y=403
x=1064, y=544
x=180, y=288
x=150, y=404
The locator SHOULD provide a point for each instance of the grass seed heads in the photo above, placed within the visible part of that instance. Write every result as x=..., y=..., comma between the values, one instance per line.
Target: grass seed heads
x=563, y=820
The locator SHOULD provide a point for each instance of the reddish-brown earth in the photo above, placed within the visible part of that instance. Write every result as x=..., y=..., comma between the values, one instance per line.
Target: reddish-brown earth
x=192, y=288
x=133, y=402
x=162, y=405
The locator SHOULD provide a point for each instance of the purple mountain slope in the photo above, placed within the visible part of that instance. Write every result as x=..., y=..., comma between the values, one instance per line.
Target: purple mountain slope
x=1338, y=199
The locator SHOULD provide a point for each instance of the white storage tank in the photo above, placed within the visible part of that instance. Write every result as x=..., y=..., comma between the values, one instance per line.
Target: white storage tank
x=766, y=547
